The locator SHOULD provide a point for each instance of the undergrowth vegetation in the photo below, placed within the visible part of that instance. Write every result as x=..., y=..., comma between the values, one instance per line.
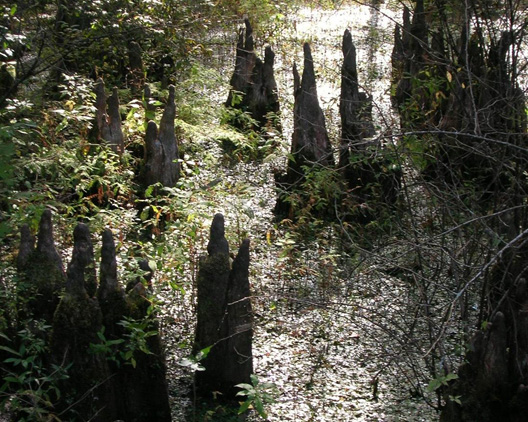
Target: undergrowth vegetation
x=364, y=309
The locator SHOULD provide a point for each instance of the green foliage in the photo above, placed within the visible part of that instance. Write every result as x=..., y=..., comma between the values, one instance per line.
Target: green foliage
x=30, y=386
x=137, y=333
x=257, y=395
x=125, y=350
x=193, y=362
x=441, y=381
x=317, y=196
x=17, y=134
x=107, y=347
x=324, y=187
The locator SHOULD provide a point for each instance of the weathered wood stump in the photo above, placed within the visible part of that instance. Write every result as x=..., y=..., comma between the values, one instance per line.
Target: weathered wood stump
x=146, y=388
x=224, y=316
x=244, y=64
x=372, y=180
x=41, y=270
x=143, y=389
x=83, y=255
x=492, y=383
x=108, y=118
x=161, y=162
x=355, y=106
x=408, y=56
x=310, y=143
x=253, y=87
x=76, y=322
x=102, y=387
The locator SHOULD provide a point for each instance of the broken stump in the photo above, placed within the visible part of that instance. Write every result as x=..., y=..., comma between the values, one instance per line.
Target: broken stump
x=224, y=316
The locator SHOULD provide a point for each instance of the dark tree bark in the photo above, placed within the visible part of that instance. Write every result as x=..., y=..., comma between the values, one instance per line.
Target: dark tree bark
x=224, y=316
x=161, y=163
x=42, y=270
x=355, y=106
x=76, y=322
x=310, y=143
x=253, y=86
x=108, y=118
x=239, y=356
x=27, y=247
x=492, y=383
x=83, y=257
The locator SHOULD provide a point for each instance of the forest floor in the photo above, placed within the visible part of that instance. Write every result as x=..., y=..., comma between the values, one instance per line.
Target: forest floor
x=328, y=318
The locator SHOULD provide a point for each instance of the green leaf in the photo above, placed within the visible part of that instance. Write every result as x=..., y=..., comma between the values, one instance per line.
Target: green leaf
x=451, y=376
x=244, y=386
x=62, y=125
x=244, y=407
x=115, y=342
x=202, y=354
x=9, y=350
x=433, y=385
x=259, y=407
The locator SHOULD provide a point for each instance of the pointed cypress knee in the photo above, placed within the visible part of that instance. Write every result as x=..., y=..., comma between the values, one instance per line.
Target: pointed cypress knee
x=167, y=138
x=161, y=161
x=110, y=294
x=115, y=133
x=239, y=356
x=143, y=388
x=81, y=270
x=145, y=385
x=151, y=172
x=310, y=141
x=108, y=118
x=310, y=144
x=43, y=271
x=244, y=64
x=100, y=107
x=253, y=87
x=225, y=318
x=76, y=324
x=150, y=109
x=355, y=106
x=270, y=85
x=26, y=248
x=211, y=325
x=135, y=66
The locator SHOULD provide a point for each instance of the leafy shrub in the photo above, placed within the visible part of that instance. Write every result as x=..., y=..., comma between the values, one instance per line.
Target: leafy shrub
x=30, y=384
